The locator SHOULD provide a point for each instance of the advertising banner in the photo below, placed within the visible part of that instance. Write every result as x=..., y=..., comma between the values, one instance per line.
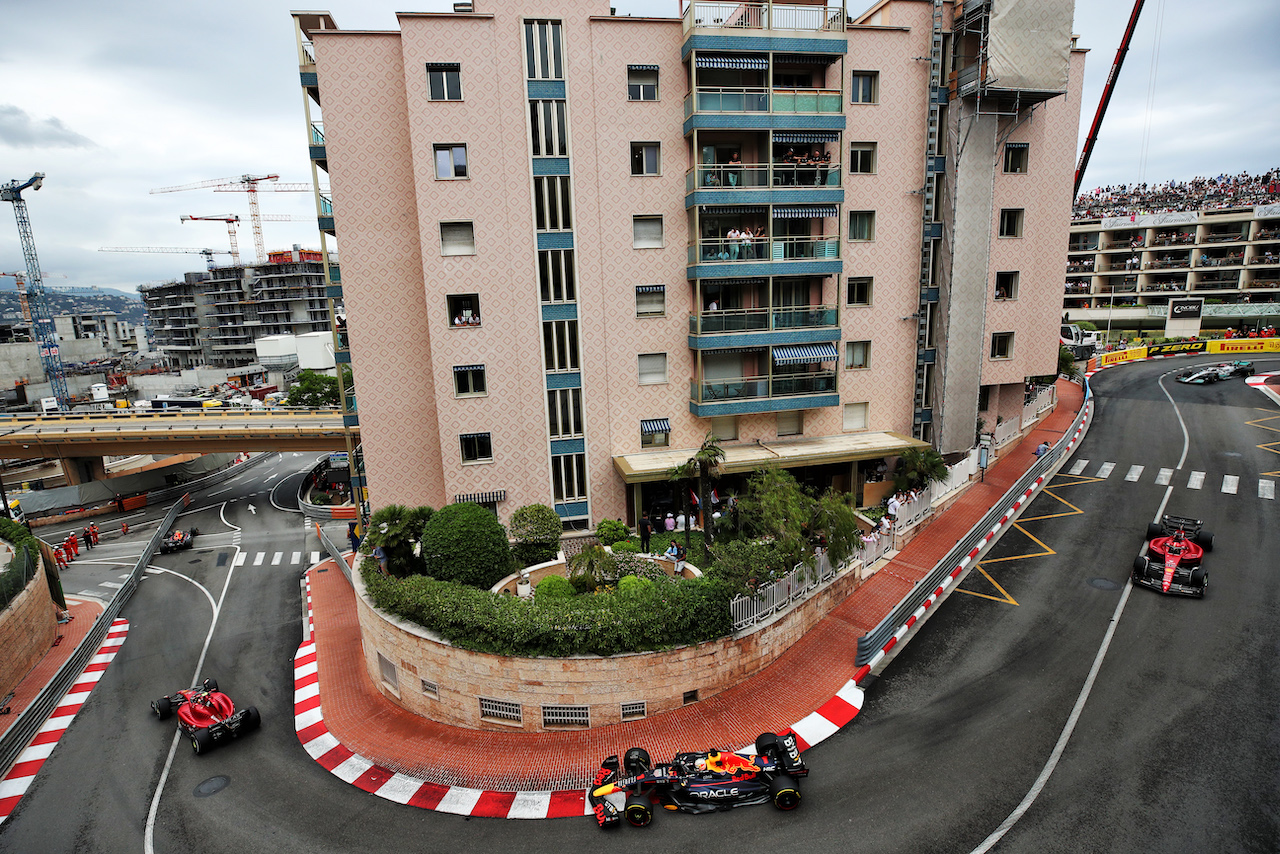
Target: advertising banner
x=1246, y=345
x=1185, y=309
x=1105, y=359
x=1179, y=347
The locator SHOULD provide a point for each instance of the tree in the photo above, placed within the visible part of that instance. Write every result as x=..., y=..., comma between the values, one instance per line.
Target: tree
x=1067, y=364
x=589, y=568
x=776, y=506
x=837, y=520
x=919, y=467
x=398, y=530
x=467, y=544
x=315, y=391
x=704, y=465
x=536, y=528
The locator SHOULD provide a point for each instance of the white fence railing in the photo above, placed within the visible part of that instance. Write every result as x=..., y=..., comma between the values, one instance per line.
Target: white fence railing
x=776, y=596
x=1044, y=399
x=957, y=476
x=1006, y=431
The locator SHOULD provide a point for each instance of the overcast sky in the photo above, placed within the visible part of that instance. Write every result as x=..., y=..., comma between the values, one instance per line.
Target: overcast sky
x=114, y=99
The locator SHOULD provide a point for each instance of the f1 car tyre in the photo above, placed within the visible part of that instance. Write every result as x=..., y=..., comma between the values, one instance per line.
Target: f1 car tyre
x=211, y=684
x=639, y=811
x=201, y=741
x=162, y=707
x=1204, y=540
x=1139, y=566
x=767, y=745
x=636, y=761
x=784, y=792
x=1213, y=378
x=1154, y=529
x=1200, y=578
x=252, y=720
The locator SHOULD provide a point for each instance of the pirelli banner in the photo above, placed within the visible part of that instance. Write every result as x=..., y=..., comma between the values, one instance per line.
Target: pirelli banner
x=1245, y=345
x=1106, y=359
x=1179, y=347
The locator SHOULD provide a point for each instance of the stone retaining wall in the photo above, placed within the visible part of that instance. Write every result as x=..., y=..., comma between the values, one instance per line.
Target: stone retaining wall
x=429, y=677
x=27, y=629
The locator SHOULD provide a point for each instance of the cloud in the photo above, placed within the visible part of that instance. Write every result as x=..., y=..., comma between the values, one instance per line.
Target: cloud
x=19, y=130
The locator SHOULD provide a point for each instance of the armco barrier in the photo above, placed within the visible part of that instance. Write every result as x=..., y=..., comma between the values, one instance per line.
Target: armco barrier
x=876, y=643
x=334, y=552
x=33, y=717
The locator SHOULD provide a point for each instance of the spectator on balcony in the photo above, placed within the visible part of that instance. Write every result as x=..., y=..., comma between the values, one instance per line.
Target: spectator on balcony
x=734, y=238
x=733, y=170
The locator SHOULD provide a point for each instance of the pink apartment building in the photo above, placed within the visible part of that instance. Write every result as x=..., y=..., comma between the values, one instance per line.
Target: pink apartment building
x=573, y=244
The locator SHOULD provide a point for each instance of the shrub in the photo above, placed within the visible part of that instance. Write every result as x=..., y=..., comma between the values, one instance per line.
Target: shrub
x=398, y=529
x=536, y=528
x=630, y=547
x=611, y=531
x=467, y=544
x=632, y=585
x=553, y=587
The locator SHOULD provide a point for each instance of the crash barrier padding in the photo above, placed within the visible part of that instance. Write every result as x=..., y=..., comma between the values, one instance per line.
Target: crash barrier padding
x=879, y=641
x=34, y=716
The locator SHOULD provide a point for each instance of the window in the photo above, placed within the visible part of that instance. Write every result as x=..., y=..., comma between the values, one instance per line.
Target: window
x=646, y=232
x=860, y=290
x=653, y=368
x=457, y=238
x=651, y=300
x=644, y=158
x=791, y=423
x=1015, y=157
x=1002, y=345
x=1007, y=285
x=451, y=161
x=642, y=82
x=476, y=448
x=548, y=128
x=569, y=477
x=468, y=381
x=655, y=433
x=560, y=345
x=555, y=275
x=542, y=51
x=862, y=225
x=984, y=398
x=1011, y=222
x=865, y=87
x=857, y=354
x=444, y=81
x=551, y=203
x=564, y=412
x=464, y=309
x=862, y=158
x=855, y=416
x=724, y=427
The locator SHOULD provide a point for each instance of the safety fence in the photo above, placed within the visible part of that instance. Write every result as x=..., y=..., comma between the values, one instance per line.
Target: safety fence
x=777, y=596
x=33, y=717
x=331, y=548
x=1043, y=399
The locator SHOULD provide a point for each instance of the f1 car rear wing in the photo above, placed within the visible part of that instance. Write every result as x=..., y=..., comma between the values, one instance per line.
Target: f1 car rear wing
x=1189, y=526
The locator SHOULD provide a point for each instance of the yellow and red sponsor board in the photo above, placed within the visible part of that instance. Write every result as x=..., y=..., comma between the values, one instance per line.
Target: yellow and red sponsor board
x=1107, y=359
x=1245, y=345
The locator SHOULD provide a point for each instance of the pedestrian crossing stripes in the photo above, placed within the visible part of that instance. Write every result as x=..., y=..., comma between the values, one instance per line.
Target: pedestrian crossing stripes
x=1135, y=472
x=1231, y=483
x=1267, y=489
x=1163, y=478
x=1196, y=480
x=1078, y=467
x=1104, y=471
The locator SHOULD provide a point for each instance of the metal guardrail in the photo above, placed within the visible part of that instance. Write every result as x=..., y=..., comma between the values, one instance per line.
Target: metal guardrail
x=33, y=717
x=873, y=641
x=334, y=552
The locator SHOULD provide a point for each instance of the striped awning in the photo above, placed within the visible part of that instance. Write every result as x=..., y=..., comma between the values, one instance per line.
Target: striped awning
x=481, y=497
x=444, y=66
x=1017, y=145
x=730, y=210
x=809, y=136
x=805, y=354
x=642, y=68
x=650, y=289
x=805, y=211
x=458, y=369
x=738, y=281
x=721, y=351
x=652, y=426
x=741, y=63
x=474, y=436
x=802, y=59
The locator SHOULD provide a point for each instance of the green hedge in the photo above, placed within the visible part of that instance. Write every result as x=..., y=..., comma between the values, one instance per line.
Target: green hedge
x=25, y=561
x=649, y=617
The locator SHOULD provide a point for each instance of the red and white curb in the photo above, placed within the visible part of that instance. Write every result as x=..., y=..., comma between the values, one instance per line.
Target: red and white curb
x=24, y=770
x=365, y=774
x=1259, y=382
x=955, y=573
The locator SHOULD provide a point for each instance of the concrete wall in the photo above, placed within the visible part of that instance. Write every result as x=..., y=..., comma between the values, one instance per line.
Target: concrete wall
x=27, y=630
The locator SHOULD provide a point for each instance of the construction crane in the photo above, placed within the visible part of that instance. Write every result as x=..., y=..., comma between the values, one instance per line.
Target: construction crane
x=244, y=183
x=1107, y=90
x=182, y=250
x=41, y=316
x=230, y=220
x=21, y=278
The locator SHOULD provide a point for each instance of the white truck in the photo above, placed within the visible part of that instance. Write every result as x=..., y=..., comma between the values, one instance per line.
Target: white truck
x=1082, y=344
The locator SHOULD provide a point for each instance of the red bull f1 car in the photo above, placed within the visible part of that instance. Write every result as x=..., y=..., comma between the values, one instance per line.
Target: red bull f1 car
x=697, y=782
x=206, y=715
x=179, y=540
x=1176, y=547
x=1213, y=373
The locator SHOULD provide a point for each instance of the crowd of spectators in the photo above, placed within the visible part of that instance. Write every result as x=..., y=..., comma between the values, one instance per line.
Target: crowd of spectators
x=1224, y=191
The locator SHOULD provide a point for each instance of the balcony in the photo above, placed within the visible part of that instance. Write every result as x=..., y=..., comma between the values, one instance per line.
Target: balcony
x=763, y=319
x=764, y=16
x=769, y=393
x=738, y=254
x=743, y=99
x=761, y=176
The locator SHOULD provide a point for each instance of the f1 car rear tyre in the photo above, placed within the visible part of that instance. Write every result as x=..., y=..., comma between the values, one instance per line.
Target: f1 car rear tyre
x=1213, y=378
x=211, y=684
x=636, y=761
x=784, y=792
x=767, y=745
x=639, y=811
x=1204, y=540
x=201, y=741
x=1199, y=578
x=162, y=707
x=252, y=720
x=1154, y=529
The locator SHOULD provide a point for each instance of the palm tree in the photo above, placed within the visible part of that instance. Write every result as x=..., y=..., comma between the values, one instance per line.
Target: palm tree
x=918, y=467
x=1067, y=364
x=703, y=465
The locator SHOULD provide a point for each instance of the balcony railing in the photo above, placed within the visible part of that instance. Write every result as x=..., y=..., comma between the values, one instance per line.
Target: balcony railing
x=780, y=385
x=740, y=99
x=763, y=319
x=764, y=16
x=317, y=133
x=760, y=176
x=765, y=249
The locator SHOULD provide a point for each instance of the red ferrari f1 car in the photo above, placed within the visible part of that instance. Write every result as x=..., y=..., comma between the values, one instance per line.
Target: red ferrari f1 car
x=1176, y=546
x=207, y=715
x=697, y=782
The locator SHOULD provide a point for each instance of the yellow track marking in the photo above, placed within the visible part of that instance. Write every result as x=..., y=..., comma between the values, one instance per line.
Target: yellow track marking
x=1267, y=446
